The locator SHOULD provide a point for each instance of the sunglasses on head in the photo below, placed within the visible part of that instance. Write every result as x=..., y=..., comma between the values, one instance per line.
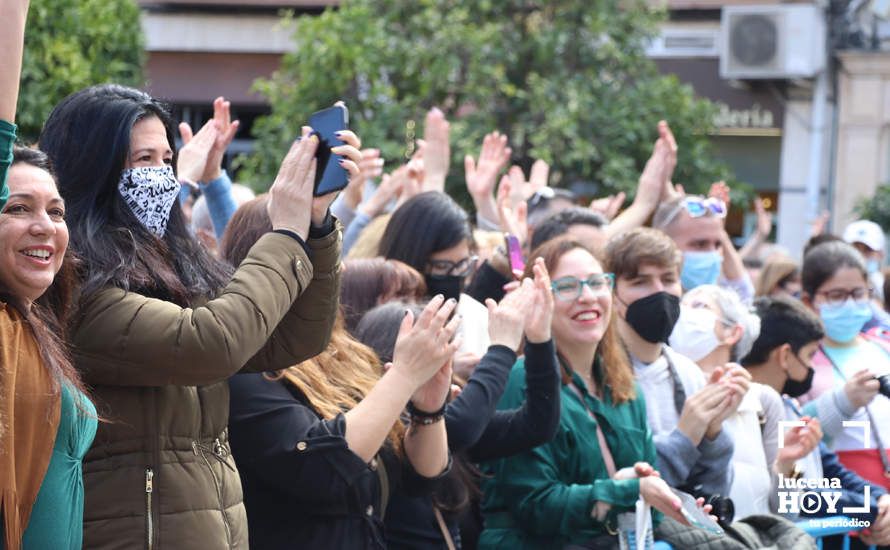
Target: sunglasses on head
x=698, y=207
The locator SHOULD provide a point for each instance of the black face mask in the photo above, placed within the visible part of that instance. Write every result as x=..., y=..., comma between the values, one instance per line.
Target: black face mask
x=654, y=316
x=449, y=286
x=796, y=388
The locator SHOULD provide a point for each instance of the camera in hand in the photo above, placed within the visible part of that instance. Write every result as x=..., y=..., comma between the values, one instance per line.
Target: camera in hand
x=885, y=384
x=722, y=507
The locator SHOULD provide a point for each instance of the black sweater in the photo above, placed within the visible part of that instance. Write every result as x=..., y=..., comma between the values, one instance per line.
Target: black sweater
x=303, y=487
x=478, y=431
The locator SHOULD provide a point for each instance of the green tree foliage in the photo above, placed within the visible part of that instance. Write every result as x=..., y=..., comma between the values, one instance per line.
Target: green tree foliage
x=876, y=208
x=567, y=80
x=71, y=44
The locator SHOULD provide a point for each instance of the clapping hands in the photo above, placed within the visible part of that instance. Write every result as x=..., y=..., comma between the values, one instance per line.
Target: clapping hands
x=526, y=310
x=204, y=151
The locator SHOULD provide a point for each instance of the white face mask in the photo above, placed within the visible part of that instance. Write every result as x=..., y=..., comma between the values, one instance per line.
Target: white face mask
x=150, y=193
x=693, y=334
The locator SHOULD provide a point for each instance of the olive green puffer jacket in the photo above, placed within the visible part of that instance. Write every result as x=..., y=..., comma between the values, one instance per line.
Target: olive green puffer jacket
x=160, y=473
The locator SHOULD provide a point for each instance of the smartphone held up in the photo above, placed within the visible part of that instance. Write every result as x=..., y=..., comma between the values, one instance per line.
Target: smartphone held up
x=330, y=176
x=514, y=253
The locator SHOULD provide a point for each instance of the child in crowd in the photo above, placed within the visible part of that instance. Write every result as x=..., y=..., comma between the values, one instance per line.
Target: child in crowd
x=781, y=358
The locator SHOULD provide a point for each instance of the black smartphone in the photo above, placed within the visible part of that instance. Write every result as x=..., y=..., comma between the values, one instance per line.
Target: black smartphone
x=329, y=175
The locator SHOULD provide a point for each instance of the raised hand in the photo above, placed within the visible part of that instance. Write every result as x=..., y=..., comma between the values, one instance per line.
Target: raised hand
x=512, y=220
x=521, y=189
x=352, y=156
x=608, y=206
x=408, y=179
x=390, y=187
x=422, y=348
x=192, y=159
x=482, y=176
x=764, y=219
x=799, y=442
x=506, y=319
x=290, y=197
x=820, y=223
x=370, y=168
x=719, y=190
x=655, y=181
x=540, y=313
x=437, y=154
x=226, y=130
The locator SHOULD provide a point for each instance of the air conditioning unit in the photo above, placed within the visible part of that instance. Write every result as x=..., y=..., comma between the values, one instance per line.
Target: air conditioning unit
x=772, y=42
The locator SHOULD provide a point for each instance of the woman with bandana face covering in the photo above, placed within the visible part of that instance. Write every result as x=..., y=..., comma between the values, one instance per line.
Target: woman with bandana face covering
x=160, y=325
x=685, y=410
x=835, y=287
x=780, y=358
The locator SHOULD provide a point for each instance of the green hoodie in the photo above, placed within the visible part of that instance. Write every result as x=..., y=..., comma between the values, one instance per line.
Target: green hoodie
x=7, y=138
x=543, y=498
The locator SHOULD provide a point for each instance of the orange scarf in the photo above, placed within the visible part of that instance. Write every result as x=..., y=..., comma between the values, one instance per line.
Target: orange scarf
x=29, y=419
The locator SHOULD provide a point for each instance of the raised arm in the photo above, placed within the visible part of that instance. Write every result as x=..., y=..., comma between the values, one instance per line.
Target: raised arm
x=469, y=414
x=653, y=181
x=536, y=421
x=125, y=338
x=213, y=180
x=13, y=14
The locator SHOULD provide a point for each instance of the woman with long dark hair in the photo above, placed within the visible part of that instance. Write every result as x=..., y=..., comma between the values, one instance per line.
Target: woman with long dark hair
x=477, y=432
x=160, y=325
x=340, y=411
x=46, y=421
x=431, y=233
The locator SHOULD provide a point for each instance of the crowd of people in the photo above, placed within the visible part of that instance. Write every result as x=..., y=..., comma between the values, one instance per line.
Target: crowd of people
x=186, y=365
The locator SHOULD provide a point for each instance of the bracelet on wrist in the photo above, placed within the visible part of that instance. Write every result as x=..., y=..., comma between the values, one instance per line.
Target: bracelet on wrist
x=425, y=418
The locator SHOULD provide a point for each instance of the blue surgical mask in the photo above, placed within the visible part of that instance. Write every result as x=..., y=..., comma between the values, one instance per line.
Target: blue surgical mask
x=873, y=265
x=700, y=268
x=843, y=322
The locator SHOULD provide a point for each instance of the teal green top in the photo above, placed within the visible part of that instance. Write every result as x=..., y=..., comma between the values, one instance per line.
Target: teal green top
x=543, y=498
x=57, y=517
x=7, y=139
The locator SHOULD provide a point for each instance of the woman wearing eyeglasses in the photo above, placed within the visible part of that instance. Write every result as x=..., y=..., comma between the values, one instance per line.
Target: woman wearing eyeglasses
x=835, y=286
x=476, y=431
x=564, y=493
x=432, y=234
